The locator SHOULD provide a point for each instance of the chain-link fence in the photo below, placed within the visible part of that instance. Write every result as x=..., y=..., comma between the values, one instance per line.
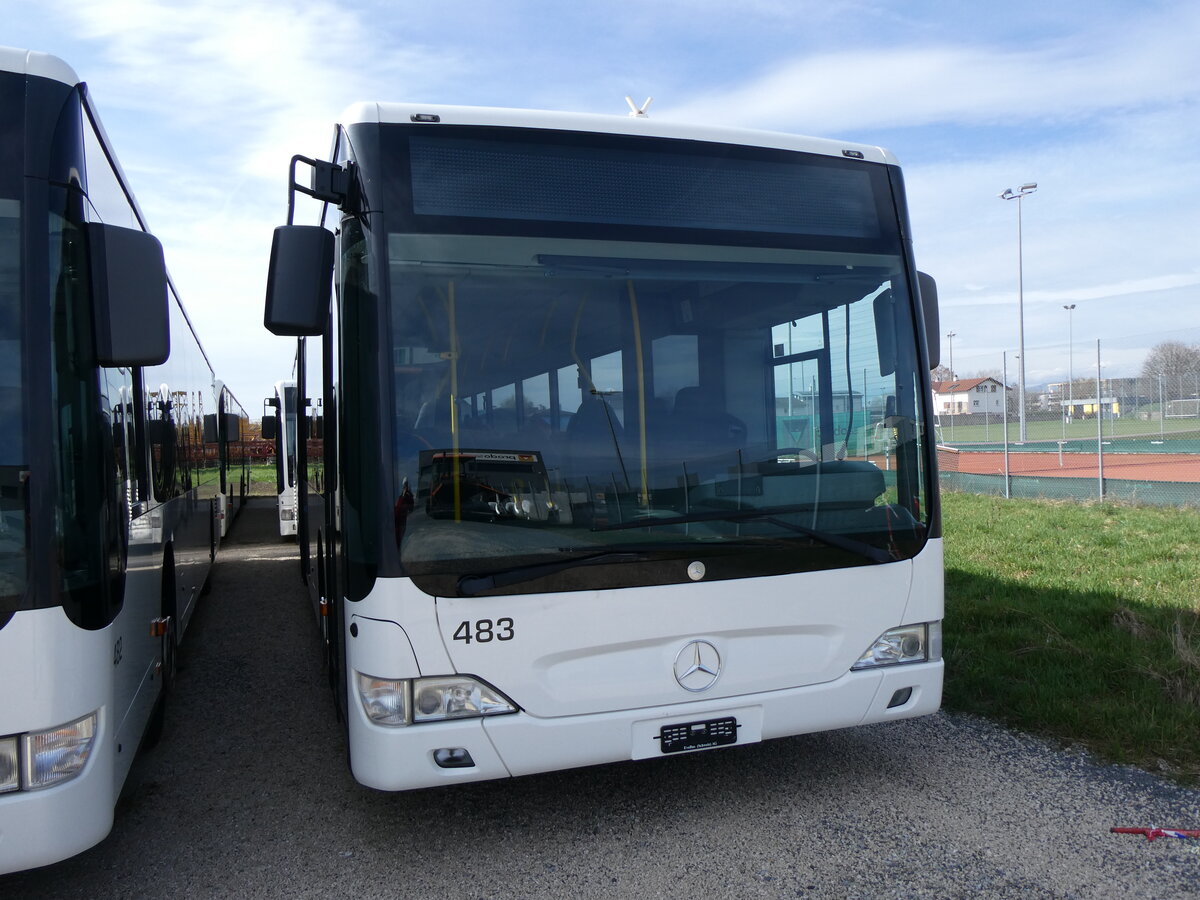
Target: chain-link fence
x=1114, y=419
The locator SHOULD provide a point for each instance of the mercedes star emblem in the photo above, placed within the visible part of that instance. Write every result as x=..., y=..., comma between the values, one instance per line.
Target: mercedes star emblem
x=697, y=666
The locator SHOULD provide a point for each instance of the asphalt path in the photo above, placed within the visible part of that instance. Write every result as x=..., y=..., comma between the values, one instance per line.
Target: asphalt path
x=248, y=795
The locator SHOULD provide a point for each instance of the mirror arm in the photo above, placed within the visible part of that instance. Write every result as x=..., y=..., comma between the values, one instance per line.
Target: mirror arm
x=330, y=183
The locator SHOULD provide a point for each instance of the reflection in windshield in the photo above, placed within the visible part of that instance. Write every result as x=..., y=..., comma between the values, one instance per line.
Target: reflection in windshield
x=545, y=401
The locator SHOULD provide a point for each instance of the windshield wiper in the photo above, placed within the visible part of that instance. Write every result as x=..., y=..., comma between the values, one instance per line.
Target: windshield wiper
x=766, y=514
x=470, y=585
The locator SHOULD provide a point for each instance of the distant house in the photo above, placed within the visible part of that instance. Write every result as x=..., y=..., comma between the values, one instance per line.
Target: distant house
x=968, y=396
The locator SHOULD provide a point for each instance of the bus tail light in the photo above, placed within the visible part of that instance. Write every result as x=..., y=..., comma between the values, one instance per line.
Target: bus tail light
x=58, y=754
x=10, y=777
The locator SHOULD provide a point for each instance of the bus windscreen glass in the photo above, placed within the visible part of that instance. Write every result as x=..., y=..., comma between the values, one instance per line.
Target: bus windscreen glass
x=709, y=380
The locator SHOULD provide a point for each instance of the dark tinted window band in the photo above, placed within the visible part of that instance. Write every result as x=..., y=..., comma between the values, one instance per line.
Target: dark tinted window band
x=474, y=178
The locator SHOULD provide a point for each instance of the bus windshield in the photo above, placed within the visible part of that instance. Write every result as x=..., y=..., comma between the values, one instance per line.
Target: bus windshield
x=567, y=394
x=13, y=462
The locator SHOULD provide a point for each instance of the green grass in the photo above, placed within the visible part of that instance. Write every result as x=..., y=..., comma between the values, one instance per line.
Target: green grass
x=1080, y=622
x=262, y=480
x=973, y=429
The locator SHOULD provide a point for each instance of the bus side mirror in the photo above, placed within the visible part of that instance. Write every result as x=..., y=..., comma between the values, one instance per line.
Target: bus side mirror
x=233, y=428
x=299, y=281
x=270, y=428
x=129, y=291
x=929, y=309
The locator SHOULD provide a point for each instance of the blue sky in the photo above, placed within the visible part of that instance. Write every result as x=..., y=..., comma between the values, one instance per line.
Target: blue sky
x=1097, y=102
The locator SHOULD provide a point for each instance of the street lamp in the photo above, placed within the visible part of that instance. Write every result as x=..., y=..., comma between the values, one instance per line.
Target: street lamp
x=1069, y=307
x=950, y=337
x=1009, y=194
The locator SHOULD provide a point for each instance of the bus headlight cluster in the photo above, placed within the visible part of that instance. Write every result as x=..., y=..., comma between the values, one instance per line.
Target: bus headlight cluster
x=906, y=644
x=456, y=698
x=42, y=759
x=407, y=701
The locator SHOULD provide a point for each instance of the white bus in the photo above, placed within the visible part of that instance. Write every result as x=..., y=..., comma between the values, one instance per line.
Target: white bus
x=595, y=482
x=121, y=464
x=279, y=426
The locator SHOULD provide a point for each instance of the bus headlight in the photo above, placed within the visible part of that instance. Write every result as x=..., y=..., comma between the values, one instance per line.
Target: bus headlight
x=906, y=644
x=58, y=754
x=384, y=700
x=10, y=777
x=406, y=701
x=456, y=697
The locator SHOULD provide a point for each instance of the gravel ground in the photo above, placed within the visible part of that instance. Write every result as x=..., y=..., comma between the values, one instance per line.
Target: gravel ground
x=248, y=795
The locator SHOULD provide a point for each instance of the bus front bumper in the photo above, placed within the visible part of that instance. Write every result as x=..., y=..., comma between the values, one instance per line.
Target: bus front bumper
x=405, y=758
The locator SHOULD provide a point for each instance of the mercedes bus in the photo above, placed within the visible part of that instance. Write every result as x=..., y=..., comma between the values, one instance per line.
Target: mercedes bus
x=279, y=428
x=596, y=482
x=121, y=464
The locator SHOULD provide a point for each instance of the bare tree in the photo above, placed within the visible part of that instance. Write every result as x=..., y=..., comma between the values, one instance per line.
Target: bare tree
x=1172, y=358
x=998, y=374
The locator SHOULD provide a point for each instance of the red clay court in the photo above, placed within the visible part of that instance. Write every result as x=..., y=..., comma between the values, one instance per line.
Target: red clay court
x=1123, y=466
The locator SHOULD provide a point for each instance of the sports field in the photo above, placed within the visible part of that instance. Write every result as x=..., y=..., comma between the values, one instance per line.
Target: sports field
x=1177, y=467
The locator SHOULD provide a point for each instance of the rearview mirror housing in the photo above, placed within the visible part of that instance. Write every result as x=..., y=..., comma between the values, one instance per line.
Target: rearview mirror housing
x=299, y=281
x=131, y=317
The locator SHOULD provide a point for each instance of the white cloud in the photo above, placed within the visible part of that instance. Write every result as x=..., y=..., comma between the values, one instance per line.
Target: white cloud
x=1150, y=61
x=232, y=90
x=1100, y=104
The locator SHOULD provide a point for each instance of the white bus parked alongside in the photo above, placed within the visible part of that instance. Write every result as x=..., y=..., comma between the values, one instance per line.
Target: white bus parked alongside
x=281, y=429
x=121, y=463
x=594, y=482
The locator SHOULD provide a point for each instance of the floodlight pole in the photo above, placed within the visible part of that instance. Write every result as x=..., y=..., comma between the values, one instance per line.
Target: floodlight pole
x=1069, y=307
x=1009, y=194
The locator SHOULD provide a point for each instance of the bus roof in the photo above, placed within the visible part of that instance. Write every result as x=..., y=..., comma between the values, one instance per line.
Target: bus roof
x=590, y=122
x=31, y=62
